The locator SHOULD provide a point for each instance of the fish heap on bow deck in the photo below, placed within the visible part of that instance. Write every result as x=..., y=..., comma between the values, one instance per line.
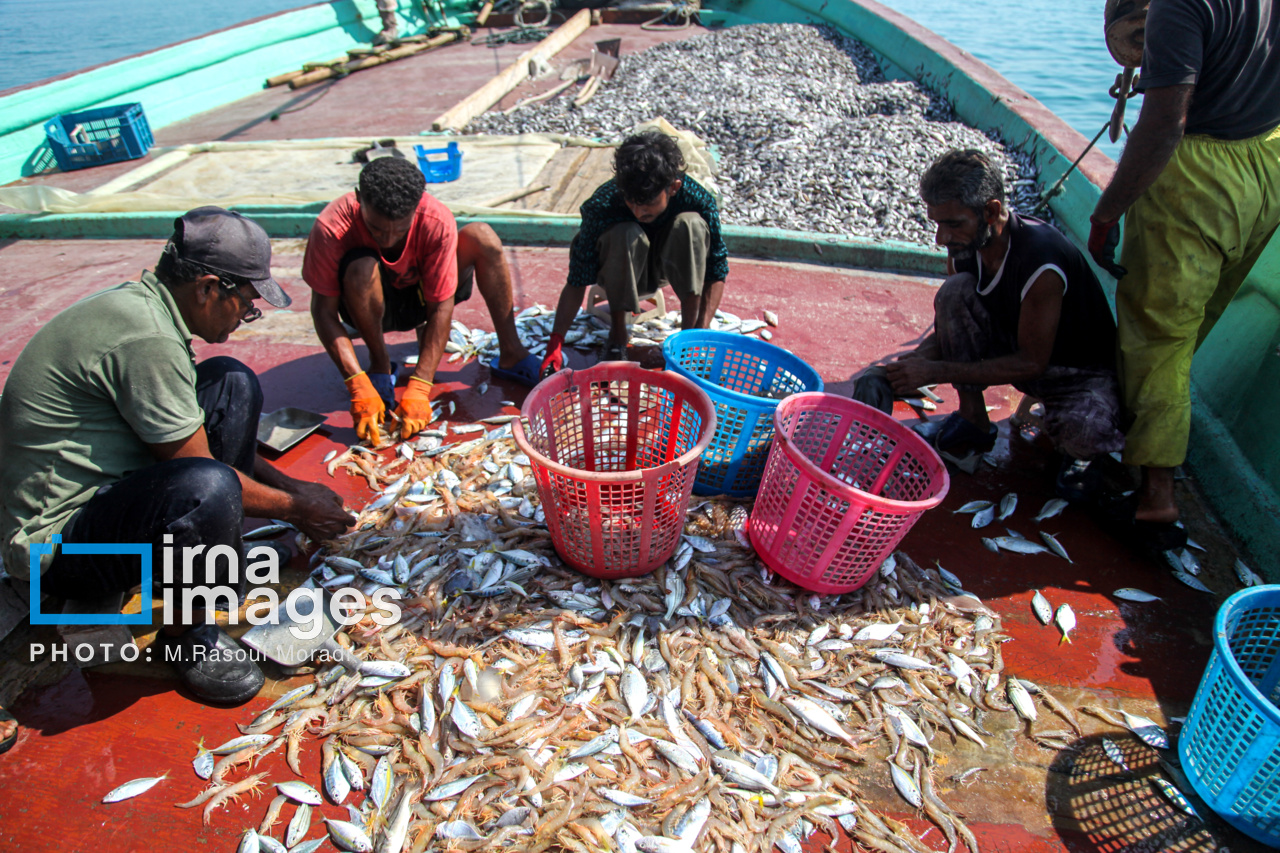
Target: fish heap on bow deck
x=709, y=705
x=808, y=133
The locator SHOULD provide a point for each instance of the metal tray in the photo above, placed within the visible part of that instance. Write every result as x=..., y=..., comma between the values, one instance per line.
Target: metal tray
x=283, y=428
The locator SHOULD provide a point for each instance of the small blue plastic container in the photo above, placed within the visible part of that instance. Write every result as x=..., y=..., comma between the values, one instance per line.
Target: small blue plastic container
x=745, y=378
x=1230, y=745
x=95, y=137
x=440, y=165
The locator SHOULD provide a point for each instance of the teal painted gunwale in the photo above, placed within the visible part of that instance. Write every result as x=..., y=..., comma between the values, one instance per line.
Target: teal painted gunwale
x=226, y=66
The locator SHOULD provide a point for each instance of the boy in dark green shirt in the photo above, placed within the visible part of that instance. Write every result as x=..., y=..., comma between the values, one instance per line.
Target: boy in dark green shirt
x=650, y=226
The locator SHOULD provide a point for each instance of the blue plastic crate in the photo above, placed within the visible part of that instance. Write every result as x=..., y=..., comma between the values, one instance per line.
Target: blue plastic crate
x=1230, y=745
x=440, y=165
x=95, y=137
x=745, y=378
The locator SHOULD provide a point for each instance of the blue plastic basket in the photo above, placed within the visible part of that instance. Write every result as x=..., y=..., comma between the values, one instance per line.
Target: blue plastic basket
x=745, y=379
x=1230, y=745
x=440, y=165
x=94, y=137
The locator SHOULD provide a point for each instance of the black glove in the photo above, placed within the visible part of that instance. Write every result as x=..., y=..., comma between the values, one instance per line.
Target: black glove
x=1104, y=237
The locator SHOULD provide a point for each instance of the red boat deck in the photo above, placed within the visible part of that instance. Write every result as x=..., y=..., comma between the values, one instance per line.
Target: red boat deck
x=85, y=732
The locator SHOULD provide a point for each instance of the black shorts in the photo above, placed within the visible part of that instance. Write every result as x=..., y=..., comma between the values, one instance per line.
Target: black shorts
x=403, y=307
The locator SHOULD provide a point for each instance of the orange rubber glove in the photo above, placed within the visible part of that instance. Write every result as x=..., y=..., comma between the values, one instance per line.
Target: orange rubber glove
x=415, y=408
x=367, y=409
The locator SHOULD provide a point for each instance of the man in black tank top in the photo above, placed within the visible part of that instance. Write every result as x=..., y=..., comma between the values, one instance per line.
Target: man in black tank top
x=1021, y=307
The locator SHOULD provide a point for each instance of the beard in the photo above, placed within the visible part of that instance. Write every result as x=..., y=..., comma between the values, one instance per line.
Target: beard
x=980, y=241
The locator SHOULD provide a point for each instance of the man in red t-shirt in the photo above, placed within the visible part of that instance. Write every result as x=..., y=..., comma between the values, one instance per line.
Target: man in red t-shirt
x=389, y=257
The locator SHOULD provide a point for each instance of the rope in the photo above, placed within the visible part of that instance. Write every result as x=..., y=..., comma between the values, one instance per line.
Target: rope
x=1057, y=186
x=520, y=35
x=1053, y=191
x=681, y=11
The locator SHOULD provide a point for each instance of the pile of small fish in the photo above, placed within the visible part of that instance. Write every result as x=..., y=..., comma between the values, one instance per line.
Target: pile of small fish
x=809, y=133
x=533, y=325
x=709, y=705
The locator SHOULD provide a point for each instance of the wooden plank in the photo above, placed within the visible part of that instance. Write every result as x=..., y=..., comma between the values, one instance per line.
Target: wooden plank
x=556, y=174
x=595, y=170
x=490, y=93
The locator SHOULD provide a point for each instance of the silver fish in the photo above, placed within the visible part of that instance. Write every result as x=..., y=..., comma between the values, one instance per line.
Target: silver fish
x=877, y=632
x=458, y=830
x=450, y=790
x=1065, y=619
x=298, y=825
x=893, y=657
x=203, y=762
x=635, y=691
x=1020, y=699
x=1128, y=593
x=267, y=844
x=351, y=771
x=1055, y=546
x=242, y=742
x=385, y=669
x=597, y=744
x=267, y=531
x=907, y=727
x=382, y=783
x=308, y=846
x=742, y=775
x=1042, y=608
x=133, y=788
x=622, y=798
x=249, y=842
x=691, y=822
x=1018, y=545
x=906, y=785
x=1052, y=507
x=983, y=517
x=1008, y=504
x=466, y=720
x=1146, y=730
x=1115, y=754
x=1247, y=576
x=817, y=717
x=686, y=759
x=336, y=784
x=292, y=696
x=348, y=836
x=1176, y=797
x=974, y=506
x=299, y=792
x=1192, y=582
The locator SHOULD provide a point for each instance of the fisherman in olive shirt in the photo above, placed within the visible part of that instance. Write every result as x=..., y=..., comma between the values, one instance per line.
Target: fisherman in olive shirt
x=111, y=433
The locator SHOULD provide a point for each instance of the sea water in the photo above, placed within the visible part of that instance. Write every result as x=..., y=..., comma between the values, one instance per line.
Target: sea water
x=1052, y=49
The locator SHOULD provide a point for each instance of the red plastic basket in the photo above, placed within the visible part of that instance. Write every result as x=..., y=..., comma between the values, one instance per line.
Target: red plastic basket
x=614, y=450
x=843, y=485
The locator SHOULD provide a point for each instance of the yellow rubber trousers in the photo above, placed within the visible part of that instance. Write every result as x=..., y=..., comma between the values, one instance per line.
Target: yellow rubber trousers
x=1189, y=242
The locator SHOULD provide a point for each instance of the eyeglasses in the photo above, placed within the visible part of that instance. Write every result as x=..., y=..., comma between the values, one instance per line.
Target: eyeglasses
x=251, y=312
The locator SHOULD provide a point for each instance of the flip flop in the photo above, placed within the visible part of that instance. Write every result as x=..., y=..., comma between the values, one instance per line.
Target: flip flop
x=525, y=371
x=7, y=743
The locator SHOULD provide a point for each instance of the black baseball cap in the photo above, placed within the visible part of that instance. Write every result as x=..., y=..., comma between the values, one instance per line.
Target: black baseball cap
x=225, y=242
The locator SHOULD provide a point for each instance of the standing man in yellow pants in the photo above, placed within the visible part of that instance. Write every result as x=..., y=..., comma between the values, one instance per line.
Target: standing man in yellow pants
x=1199, y=188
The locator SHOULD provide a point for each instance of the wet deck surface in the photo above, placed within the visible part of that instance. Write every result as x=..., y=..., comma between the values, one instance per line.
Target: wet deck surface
x=84, y=732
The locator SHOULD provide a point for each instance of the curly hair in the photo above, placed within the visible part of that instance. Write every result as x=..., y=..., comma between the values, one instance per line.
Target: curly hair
x=964, y=175
x=645, y=164
x=391, y=186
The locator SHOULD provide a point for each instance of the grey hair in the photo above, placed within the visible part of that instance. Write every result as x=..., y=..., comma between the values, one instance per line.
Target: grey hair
x=965, y=175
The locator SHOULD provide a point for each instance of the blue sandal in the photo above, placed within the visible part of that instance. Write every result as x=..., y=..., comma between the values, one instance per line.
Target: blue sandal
x=524, y=371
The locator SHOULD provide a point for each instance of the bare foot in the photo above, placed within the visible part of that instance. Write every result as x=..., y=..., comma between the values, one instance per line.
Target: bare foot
x=7, y=729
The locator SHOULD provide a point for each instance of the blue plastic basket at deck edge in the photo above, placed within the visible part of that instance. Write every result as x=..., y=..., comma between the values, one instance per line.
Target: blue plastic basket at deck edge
x=1230, y=744
x=733, y=369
